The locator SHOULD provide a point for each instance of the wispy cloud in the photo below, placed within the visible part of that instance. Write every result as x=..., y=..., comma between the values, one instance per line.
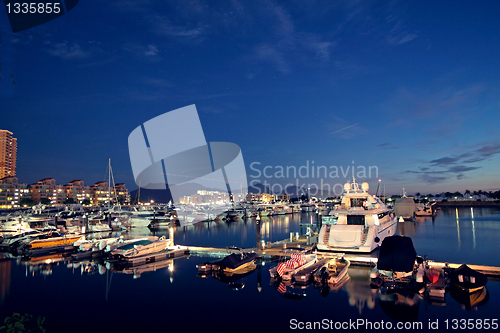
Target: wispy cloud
x=162, y=25
x=149, y=51
x=445, y=168
x=479, y=154
x=67, y=50
x=273, y=55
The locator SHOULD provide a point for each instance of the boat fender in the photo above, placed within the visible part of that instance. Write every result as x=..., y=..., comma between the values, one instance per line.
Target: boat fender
x=49, y=233
x=377, y=239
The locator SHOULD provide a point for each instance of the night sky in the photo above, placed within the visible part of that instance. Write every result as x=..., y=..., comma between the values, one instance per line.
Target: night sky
x=411, y=87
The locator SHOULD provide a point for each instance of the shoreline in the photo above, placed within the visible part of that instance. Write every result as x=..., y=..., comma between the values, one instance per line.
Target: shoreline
x=468, y=203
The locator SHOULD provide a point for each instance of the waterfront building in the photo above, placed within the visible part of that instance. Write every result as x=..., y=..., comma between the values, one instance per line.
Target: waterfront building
x=77, y=192
x=43, y=191
x=100, y=193
x=205, y=197
x=283, y=197
x=12, y=192
x=8, y=154
x=122, y=194
x=261, y=197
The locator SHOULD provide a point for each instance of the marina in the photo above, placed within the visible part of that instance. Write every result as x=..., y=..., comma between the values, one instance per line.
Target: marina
x=173, y=274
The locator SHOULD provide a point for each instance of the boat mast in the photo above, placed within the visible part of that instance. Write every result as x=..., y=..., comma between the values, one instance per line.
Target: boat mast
x=111, y=179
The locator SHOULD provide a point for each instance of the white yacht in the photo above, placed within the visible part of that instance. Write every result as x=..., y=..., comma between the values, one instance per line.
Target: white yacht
x=359, y=224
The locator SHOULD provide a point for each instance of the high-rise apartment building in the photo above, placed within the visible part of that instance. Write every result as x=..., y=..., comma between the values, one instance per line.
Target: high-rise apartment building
x=8, y=153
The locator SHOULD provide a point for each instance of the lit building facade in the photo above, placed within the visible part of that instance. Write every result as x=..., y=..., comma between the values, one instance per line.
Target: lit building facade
x=43, y=191
x=8, y=154
x=12, y=192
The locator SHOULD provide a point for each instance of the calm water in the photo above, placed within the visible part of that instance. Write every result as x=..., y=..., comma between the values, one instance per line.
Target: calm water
x=177, y=299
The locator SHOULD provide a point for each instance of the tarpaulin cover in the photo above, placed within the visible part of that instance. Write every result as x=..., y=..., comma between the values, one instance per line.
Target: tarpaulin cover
x=397, y=254
x=235, y=260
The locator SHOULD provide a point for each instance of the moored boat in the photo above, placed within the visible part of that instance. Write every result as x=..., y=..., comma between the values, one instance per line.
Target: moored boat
x=333, y=271
x=233, y=262
x=398, y=265
x=360, y=224
x=467, y=279
x=140, y=247
x=298, y=261
x=51, y=239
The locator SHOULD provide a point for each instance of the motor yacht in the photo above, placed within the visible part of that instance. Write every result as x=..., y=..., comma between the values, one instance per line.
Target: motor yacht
x=359, y=224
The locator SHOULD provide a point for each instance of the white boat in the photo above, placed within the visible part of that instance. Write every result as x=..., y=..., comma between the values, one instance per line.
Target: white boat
x=141, y=247
x=307, y=207
x=424, y=210
x=298, y=262
x=14, y=225
x=279, y=209
x=360, y=224
x=99, y=227
x=296, y=208
x=333, y=271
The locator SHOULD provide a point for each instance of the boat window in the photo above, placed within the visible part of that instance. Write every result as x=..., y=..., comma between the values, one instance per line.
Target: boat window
x=355, y=219
x=382, y=215
x=358, y=202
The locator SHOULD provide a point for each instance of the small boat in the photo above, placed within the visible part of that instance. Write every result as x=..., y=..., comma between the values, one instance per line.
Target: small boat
x=287, y=270
x=425, y=210
x=140, y=247
x=398, y=264
x=466, y=279
x=50, y=239
x=332, y=272
x=14, y=225
x=13, y=240
x=432, y=275
x=232, y=263
x=305, y=276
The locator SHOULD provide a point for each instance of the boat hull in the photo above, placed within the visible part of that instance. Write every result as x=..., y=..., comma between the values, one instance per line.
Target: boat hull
x=351, y=238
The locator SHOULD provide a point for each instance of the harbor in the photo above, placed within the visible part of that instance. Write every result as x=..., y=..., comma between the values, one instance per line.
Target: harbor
x=172, y=273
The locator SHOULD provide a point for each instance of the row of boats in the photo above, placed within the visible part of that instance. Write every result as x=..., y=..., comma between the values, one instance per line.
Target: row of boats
x=118, y=217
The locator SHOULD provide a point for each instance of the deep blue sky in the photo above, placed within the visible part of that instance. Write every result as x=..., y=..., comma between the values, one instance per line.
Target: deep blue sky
x=411, y=87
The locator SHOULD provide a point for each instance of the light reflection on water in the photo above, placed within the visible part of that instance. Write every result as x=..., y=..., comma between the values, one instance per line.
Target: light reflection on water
x=173, y=297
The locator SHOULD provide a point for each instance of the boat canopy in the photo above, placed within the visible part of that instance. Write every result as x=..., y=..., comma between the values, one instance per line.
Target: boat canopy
x=397, y=254
x=235, y=260
x=405, y=207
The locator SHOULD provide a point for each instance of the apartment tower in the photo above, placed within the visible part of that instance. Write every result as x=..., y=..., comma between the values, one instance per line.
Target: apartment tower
x=8, y=153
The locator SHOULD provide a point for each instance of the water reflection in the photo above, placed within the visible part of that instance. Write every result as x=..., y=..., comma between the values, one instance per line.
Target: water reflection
x=4, y=278
x=473, y=227
x=458, y=227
